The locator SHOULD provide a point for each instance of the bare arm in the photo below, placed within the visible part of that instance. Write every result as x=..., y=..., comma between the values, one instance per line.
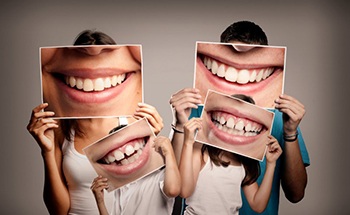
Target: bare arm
x=294, y=175
x=182, y=102
x=191, y=159
x=56, y=196
x=172, y=179
x=98, y=186
x=258, y=197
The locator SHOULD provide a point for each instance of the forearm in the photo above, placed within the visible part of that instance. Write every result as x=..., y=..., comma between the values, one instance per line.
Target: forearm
x=294, y=176
x=172, y=178
x=177, y=140
x=56, y=196
x=263, y=193
x=186, y=171
x=102, y=208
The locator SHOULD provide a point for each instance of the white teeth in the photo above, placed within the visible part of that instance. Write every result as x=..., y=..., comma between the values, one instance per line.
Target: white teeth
x=88, y=85
x=230, y=123
x=221, y=71
x=107, y=83
x=253, y=76
x=129, y=150
x=80, y=83
x=222, y=120
x=110, y=158
x=124, y=162
x=259, y=76
x=243, y=76
x=97, y=84
x=118, y=155
x=137, y=146
x=214, y=67
x=248, y=127
x=231, y=74
x=72, y=81
x=239, y=126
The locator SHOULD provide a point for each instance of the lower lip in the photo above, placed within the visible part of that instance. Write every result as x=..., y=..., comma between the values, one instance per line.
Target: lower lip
x=230, y=138
x=95, y=97
x=131, y=167
x=233, y=87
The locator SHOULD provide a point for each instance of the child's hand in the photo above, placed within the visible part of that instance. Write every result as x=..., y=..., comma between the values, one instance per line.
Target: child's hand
x=190, y=129
x=274, y=150
x=41, y=127
x=97, y=187
x=163, y=145
x=151, y=114
x=182, y=102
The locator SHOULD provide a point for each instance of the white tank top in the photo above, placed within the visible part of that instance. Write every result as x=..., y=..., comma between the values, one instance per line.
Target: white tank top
x=218, y=190
x=79, y=175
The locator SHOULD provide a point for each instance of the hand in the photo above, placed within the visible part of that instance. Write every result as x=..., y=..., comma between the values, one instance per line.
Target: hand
x=182, y=102
x=151, y=114
x=97, y=187
x=162, y=145
x=293, y=112
x=41, y=127
x=274, y=150
x=190, y=129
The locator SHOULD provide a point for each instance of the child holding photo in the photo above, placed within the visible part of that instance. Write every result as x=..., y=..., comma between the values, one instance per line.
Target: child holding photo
x=212, y=178
x=152, y=194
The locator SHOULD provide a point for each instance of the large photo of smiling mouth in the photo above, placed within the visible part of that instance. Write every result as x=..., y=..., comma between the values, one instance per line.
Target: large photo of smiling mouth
x=127, y=158
x=234, y=129
x=237, y=75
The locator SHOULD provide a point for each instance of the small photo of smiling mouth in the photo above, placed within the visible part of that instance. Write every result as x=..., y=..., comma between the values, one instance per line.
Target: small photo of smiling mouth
x=127, y=158
x=233, y=129
x=234, y=75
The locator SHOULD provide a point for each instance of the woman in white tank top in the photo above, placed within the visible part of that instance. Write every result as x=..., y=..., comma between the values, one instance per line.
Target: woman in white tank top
x=68, y=174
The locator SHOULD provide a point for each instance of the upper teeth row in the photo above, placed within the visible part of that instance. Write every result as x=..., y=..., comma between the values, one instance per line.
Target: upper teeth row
x=232, y=74
x=236, y=123
x=119, y=155
x=97, y=84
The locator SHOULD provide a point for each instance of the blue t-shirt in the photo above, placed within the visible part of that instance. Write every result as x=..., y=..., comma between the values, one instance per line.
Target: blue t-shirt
x=277, y=132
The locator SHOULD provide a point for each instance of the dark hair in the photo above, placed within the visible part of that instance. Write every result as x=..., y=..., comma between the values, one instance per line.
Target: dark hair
x=86, y=37
x=90, y=37
x=244, y=31
x=251, y=166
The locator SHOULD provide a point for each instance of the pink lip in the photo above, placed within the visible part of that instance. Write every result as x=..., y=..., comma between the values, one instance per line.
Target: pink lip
x=131, y=167
x=96, y=96
x=231, y=138
x=230, y=87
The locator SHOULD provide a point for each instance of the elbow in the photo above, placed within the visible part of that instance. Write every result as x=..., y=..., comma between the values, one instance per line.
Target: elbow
x=258, y=209
x=295, y=197
x=173, y=191
x=185, y=194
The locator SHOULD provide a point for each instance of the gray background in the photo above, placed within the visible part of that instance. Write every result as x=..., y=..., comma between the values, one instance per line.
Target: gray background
x=315, y=32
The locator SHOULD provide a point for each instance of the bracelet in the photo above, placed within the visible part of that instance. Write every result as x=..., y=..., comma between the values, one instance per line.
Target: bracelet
x=176, y=130
x=291, y=138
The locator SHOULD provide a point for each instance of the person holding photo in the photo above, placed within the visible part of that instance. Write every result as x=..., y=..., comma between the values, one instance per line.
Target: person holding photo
x=153, y=194
x=290, y=171
x=212, y=178
x=68, y=172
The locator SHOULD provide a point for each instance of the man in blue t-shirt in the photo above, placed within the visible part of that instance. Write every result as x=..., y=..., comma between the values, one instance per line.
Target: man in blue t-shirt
x=290, y=169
